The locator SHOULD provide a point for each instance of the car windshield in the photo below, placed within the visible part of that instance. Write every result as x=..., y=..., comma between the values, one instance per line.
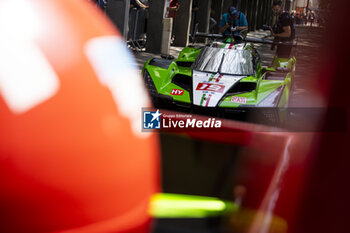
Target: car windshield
x=224, y=61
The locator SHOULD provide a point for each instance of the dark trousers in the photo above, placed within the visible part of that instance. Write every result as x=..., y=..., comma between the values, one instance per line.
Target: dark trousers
x=284, y=51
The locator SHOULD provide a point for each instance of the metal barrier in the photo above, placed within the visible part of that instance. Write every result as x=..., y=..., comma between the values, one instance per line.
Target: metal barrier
x=137, y=23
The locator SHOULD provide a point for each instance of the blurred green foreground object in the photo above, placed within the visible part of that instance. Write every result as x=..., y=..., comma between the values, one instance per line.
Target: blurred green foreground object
x=164, y=205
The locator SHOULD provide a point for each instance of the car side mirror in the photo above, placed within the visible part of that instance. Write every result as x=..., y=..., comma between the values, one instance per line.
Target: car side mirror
x=265, y=27
x=243, y=33
x=265, y=69
x=283, y=69
x=167, y=56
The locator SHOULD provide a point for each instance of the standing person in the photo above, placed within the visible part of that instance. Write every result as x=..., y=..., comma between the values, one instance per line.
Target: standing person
x=283, y=30
x=233, y=20
x=195, y=9
x=212, y=21
x=294, y=16
x=137, y=19
x=173, y=7
x=311, y=18
x=297, y=18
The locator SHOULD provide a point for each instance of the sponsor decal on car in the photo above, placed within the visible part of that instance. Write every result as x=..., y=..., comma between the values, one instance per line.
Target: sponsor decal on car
x=239, y=100
x=176, y=92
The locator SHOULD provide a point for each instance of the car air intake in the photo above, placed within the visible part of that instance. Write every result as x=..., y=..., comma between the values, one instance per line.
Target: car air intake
x=162, y=63
x=183, y=81
x=184, y=63
x=242, y=87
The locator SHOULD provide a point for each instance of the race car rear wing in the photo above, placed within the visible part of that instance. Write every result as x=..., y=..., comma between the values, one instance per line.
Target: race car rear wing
x=209, y=35
x=246, y=39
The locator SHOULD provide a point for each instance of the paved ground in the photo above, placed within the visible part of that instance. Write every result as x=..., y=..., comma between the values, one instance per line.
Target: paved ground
x=307, y=52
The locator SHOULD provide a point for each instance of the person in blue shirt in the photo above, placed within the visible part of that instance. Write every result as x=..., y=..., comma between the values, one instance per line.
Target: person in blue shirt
x=234, y=21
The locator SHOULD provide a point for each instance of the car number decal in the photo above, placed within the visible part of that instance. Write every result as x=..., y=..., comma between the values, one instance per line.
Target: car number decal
x=210, y=87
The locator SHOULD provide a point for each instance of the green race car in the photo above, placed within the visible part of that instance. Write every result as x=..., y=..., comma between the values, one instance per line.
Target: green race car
x=223, y=76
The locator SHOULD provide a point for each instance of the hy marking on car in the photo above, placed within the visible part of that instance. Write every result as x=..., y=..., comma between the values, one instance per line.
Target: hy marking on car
x=176, y=92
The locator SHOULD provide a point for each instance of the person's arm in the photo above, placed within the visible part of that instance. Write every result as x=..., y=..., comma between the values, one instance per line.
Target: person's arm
x=285, y=34
x=241, y=28
x=141, y=4
x=242, y=22
x=224, y=28
x=172, y=8
x=223, y=25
